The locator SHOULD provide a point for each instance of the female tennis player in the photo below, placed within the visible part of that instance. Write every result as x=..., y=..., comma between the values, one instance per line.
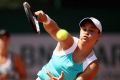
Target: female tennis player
x=11, y=65
x=73, y=58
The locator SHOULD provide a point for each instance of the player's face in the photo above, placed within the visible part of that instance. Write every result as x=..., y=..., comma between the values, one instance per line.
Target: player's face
x=89, y=33
x=3, y=44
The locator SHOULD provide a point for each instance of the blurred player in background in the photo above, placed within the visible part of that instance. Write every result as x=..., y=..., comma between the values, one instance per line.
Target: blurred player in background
x=11, y=65
x=73, y=58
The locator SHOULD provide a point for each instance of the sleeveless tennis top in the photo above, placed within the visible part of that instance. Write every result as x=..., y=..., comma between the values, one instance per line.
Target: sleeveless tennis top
x=8, y=67
x=63, y=61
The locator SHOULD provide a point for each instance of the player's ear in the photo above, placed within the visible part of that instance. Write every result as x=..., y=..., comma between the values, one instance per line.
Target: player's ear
x=99, y=37
x=80, y=28
x=100, y=34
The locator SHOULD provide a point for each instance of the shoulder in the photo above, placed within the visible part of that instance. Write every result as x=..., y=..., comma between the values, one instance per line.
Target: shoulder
x=90, y=72
x=70, y=49
x=16, y=58
x=73, y=46
x=89, y=59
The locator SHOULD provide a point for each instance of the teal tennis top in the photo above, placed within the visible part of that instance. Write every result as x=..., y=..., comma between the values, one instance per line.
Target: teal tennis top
x=63, y=61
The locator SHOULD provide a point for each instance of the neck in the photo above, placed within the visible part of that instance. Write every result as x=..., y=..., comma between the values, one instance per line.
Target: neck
x=3, y=53
x=85, y=47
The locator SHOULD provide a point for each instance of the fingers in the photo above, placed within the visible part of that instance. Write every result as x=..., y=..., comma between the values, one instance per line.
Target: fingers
x=49, y=74
x=41, y=16
x=61, y=76
x=39, y=12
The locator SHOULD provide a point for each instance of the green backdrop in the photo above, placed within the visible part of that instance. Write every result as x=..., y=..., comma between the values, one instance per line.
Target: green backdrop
x=16, y=21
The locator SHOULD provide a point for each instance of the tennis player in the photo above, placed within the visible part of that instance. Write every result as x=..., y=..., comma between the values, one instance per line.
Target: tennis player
x=73, y=58
x=11, y=65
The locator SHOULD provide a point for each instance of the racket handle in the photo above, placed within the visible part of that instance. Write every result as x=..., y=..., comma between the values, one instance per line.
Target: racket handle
x=37, y=25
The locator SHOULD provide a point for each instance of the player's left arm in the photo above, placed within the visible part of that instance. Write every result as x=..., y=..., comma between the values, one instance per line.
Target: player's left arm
x=90, y=72
x=52, y=28
x=20, y=67
x=61, y=77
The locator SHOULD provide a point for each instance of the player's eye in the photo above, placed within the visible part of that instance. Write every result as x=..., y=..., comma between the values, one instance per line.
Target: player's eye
x=84, y=29
x=91, y=31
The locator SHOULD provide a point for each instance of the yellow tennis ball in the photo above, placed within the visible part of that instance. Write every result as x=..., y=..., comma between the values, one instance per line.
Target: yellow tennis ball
x=62, y=34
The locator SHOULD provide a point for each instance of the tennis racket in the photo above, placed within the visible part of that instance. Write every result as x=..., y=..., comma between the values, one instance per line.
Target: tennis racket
x=31, y=17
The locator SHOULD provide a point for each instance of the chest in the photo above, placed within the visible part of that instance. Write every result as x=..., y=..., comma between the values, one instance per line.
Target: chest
x=79, y=55
x=5, y=65
x=66, y=62
x=3, y=60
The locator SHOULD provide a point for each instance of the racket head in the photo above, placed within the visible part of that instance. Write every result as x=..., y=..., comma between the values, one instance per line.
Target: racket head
x=31, y=18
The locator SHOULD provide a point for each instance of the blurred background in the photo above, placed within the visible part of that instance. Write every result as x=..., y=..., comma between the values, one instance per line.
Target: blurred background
x=36, y=49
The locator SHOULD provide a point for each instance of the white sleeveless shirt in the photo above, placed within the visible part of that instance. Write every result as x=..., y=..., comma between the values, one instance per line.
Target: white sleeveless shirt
x=6, y=68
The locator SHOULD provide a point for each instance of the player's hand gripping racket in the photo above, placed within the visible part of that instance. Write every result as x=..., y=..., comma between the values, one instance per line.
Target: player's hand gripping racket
x=31, y=17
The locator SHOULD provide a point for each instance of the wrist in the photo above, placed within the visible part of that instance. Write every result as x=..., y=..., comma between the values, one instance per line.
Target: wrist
x=48, y=20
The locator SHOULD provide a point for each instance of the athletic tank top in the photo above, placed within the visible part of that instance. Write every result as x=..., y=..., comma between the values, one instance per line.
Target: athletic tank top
x=63, y=61
x=8, y=67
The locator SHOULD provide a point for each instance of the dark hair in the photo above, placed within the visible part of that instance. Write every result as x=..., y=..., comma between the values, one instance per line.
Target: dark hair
x=87, y=21
x=4, y=32
x=84, y=22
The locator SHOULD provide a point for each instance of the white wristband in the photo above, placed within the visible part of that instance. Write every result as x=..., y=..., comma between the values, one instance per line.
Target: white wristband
x=48, y=20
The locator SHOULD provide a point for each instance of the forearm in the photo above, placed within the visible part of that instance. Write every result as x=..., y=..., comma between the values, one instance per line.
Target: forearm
x=51, y=28
x=23, y=78
x=50, y=25
x=84, y=78
x=90, y=72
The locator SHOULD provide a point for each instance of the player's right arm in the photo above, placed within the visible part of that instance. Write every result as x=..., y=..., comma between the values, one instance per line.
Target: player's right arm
x=90, y=72
x=20, y=67
x=52, y=28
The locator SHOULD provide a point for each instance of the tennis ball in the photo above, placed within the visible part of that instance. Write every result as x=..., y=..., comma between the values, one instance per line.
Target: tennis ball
x=62, y=34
